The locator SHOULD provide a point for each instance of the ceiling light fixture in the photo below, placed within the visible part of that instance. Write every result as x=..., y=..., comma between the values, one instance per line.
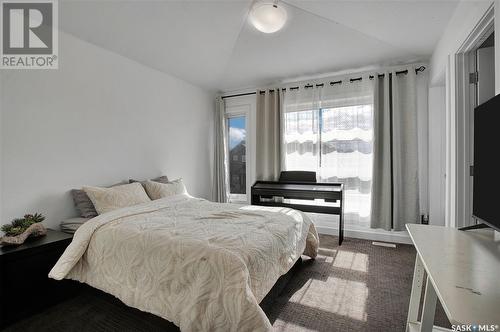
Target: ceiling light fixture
x=267, y=16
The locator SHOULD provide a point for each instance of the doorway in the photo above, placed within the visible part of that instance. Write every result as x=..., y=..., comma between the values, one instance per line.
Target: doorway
x=472, y=84
x=484, y=77
x=483, y=84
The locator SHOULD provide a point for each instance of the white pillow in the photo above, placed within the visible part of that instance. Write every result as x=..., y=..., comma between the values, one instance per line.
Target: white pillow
x=109, y=199
x=157, y=190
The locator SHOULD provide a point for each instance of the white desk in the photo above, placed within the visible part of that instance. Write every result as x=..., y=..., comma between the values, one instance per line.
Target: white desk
x=463, y=272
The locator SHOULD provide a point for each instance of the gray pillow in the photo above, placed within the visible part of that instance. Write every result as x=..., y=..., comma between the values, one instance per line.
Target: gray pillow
x=161, y=179
x=83, y=204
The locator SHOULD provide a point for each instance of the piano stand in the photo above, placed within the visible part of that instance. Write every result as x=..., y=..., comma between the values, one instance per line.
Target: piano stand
x=330, y=192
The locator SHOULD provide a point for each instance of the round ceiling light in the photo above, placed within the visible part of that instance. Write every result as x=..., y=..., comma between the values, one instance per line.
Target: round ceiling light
x=268, y=17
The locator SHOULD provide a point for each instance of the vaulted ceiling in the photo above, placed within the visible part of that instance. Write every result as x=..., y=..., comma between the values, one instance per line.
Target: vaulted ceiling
x=210, y=43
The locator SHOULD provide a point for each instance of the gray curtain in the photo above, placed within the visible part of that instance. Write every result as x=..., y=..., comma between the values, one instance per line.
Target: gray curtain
x=381, y=207
x=406, y=193
x=395, y=187
x=268, y=134
x=220, y=158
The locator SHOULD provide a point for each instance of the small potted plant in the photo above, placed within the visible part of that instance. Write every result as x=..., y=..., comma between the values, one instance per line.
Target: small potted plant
x=21, y=228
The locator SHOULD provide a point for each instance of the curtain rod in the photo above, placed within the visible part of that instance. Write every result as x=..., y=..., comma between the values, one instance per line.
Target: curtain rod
x=307, y=86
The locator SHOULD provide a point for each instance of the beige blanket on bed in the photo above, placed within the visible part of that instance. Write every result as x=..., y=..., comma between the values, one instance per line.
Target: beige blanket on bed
x=201, y=265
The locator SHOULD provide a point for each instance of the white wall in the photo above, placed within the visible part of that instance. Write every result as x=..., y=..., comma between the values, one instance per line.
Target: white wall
x=1, y=145
x=437, y=108
x=441, y=108
x=423, y=139
x=100, y=119
x=464, y=19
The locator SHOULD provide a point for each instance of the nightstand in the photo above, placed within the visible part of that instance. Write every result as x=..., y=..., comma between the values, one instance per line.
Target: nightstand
x=25, y=287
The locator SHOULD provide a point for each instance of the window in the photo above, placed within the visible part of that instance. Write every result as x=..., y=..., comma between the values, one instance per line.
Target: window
x=237, y=139
x=240, y=146
x=336, y=143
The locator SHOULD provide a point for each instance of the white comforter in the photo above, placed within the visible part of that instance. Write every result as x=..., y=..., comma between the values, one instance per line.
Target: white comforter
x=201, y=265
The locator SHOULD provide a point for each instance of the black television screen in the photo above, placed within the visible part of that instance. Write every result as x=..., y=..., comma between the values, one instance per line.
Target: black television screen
x=486, y=200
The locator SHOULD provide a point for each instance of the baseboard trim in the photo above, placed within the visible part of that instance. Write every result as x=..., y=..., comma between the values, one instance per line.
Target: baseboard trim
x=368, y=234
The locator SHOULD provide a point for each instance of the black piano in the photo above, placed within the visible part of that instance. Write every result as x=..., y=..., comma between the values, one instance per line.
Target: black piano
x=302, y=186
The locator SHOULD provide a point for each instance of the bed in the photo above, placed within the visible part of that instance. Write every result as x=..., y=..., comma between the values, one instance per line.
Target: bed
x=203, y=266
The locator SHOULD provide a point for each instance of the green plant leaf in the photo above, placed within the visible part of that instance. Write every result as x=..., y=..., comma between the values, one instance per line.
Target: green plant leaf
x=19, y=225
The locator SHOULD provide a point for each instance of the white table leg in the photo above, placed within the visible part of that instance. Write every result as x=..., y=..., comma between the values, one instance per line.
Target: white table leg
x=416, y=291
x=429, y=308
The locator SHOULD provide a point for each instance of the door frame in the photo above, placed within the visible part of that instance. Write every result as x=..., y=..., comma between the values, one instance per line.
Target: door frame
x=461, y=96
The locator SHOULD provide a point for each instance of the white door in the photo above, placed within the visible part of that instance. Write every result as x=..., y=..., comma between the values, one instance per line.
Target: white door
x=485, y=90
x=486, y=74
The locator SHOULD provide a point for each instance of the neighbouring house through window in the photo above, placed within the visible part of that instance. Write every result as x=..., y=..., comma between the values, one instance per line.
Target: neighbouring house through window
x=237, y=137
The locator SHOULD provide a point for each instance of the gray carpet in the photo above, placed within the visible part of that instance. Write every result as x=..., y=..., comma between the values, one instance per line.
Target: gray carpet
x=354, y=287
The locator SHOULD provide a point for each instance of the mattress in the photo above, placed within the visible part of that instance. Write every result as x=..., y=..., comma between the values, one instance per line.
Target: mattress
x=203, y=266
